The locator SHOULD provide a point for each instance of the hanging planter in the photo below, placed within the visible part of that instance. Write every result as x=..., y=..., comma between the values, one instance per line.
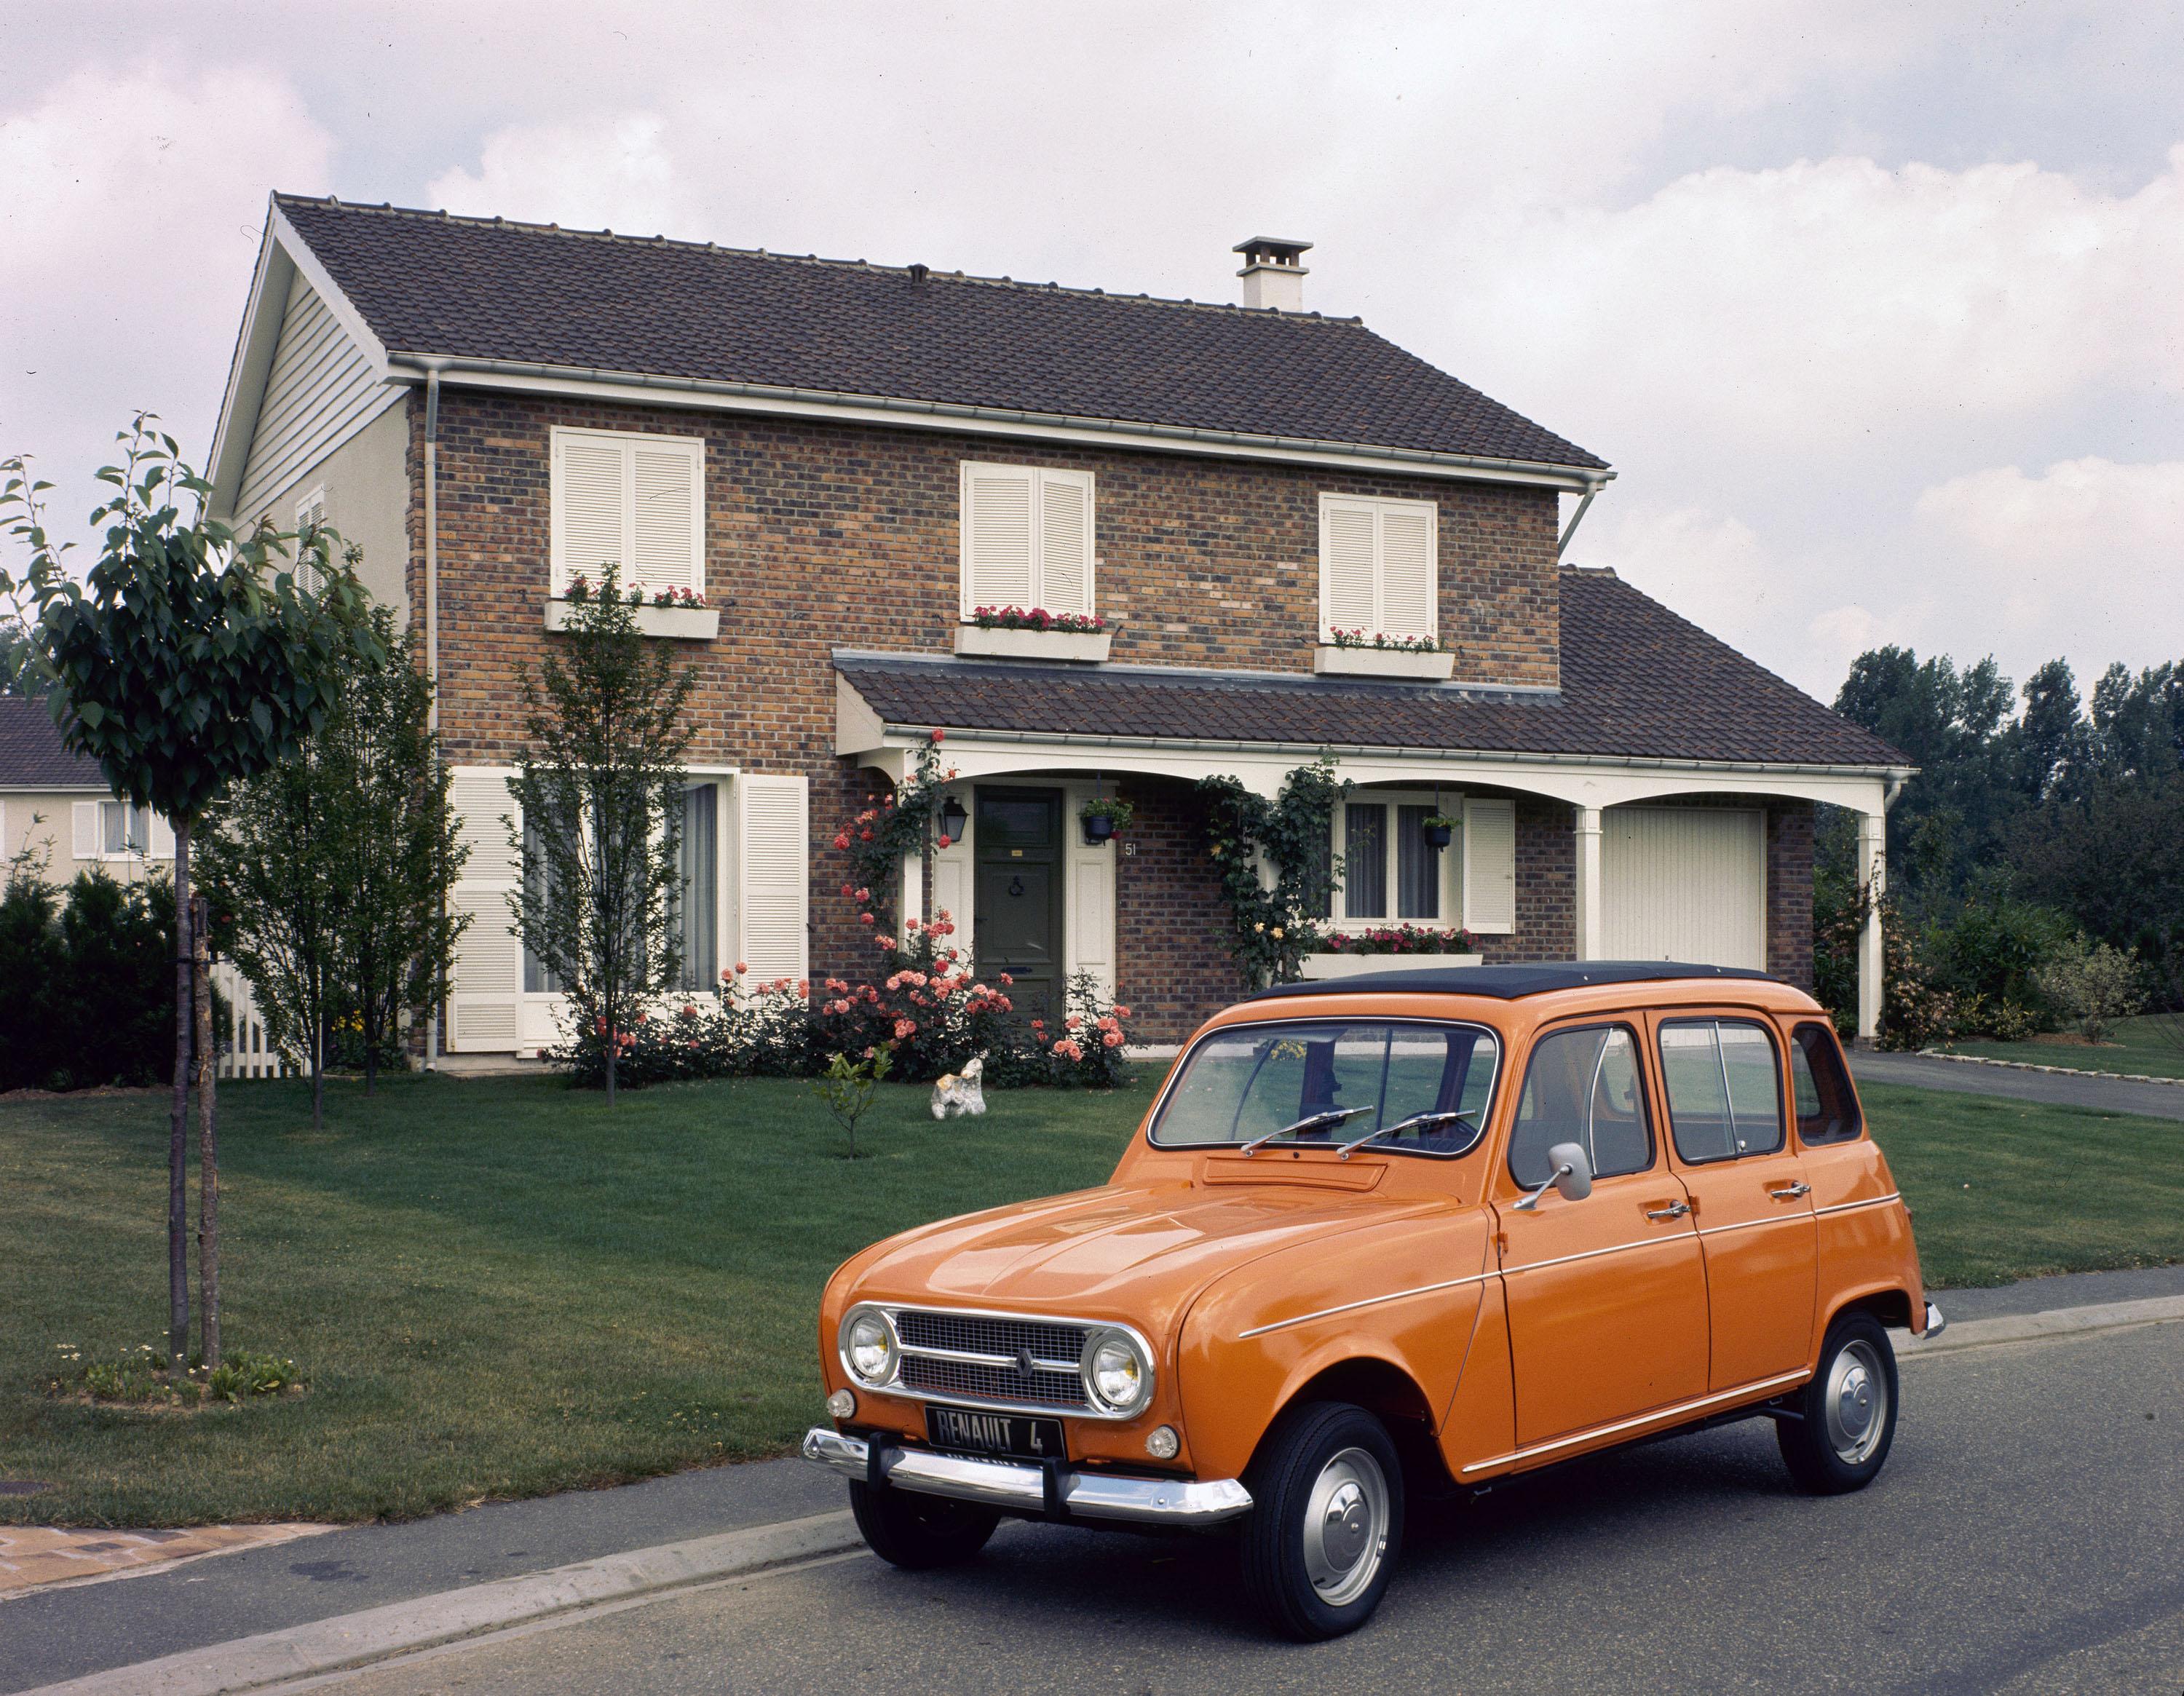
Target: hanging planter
x=1439, y=830
x=1105, y=817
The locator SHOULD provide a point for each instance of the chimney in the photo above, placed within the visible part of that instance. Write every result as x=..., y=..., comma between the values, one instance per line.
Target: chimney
x=1273, y=272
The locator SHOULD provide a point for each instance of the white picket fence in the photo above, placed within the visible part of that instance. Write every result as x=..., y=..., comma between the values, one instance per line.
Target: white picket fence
x=244, y=1052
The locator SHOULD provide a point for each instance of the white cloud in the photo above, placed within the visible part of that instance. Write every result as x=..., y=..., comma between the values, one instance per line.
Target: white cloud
x=611, y=171
x=128, y=229
x=2086, y=558
x=1826, y=308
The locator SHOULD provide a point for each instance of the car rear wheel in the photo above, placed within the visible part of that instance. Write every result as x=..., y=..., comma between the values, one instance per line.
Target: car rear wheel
x=917, y=1532
x=1846, y=1412
x=1327, y=1520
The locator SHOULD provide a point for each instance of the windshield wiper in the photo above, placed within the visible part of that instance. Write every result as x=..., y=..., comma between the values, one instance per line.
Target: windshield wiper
x=1318, y=1122
x=1417, y=1121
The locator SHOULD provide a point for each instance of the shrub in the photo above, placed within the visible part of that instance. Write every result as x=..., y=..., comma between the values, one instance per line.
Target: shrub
x=94, y=979
x=2094, y=982
x=1990, y=956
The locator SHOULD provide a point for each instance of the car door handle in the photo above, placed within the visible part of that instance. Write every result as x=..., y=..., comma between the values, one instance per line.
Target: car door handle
x=1792, y=1194
x=1674, y=1210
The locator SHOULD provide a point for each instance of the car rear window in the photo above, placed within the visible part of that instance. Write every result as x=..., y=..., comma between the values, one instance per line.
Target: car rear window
x=1827, y=1106
x=1251, y=1079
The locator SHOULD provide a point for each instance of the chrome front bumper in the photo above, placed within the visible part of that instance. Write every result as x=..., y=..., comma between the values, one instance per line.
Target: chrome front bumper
x=1936, y=1325
x=1023, y=1488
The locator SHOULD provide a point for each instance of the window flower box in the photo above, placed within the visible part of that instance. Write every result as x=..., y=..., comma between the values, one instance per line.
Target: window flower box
x=1083, y=647
x=687, y=624
x=1336, y=659
x=1320, y=968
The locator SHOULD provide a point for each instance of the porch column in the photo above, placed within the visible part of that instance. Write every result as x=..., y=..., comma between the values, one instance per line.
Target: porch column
x=1589, y=916
x=1873, y=877
x=913, y=887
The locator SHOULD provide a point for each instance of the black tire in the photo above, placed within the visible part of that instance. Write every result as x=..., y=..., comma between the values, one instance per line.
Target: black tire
x=1840, y=1440
x=1334, y=1462
x=918, y=1532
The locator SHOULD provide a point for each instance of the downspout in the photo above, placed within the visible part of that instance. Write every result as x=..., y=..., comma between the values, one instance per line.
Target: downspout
x=1577, y=518
x=432, y=626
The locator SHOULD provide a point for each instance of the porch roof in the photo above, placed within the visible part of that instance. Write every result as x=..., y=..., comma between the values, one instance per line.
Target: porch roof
x=1637, y=682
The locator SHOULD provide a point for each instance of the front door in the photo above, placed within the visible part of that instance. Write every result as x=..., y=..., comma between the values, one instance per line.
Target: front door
x=1607, y=1296
x=1018, y=900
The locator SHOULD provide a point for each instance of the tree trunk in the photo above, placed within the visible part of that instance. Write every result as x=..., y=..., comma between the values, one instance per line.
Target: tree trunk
x=178, y=1124
x=208, y=1139
x=318, y=1075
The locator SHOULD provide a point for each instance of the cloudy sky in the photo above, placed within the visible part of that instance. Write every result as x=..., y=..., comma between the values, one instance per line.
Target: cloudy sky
x=1877, y=309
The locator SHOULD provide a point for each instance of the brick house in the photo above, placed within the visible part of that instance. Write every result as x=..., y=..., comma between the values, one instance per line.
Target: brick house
x=845, y=459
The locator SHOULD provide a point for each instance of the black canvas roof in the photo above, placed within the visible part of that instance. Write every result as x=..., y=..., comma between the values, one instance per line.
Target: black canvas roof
x=597, y=303
x=1510, y=982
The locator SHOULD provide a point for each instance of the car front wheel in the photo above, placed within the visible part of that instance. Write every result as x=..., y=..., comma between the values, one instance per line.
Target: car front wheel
x=917, y=1532
x=1327, y=1520
x=1845, y=1413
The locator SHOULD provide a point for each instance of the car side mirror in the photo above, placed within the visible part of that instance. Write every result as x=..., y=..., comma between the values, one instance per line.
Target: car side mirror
x=1573, y=1171
x=1569, y=1171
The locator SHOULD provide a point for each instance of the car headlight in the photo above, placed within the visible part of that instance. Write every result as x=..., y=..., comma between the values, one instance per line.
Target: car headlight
x=868, y=1346
x=1116, y=1371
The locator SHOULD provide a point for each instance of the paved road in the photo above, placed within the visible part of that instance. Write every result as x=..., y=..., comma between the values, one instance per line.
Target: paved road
x=2053, y=1089
x=64, y=1633
x=2028, y=1536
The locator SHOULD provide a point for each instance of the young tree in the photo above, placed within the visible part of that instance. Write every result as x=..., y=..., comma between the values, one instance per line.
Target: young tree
x=601, y=795
x=186, y=660
x=401, y=851
x=331, y=871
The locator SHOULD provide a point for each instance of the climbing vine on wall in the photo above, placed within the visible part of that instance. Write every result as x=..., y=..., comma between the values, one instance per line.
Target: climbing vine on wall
x=878, y=838
x=1291, y=836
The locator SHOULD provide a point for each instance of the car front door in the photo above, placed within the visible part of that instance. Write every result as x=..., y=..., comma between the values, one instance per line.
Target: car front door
x=1607, y=1296
x=1721, y=1075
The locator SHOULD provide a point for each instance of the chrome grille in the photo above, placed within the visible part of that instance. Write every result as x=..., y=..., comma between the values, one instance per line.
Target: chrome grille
x=979, y=1356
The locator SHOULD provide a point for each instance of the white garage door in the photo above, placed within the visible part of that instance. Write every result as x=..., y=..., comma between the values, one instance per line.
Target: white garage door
x=1683, y=883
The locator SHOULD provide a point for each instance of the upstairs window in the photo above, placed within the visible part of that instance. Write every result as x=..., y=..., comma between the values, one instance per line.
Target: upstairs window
x=1026, y=538
x=310, y=518
x=635, y=502
x=1378, y=567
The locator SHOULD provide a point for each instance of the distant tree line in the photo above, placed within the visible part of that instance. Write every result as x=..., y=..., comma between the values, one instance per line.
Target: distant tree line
x=2029, y=828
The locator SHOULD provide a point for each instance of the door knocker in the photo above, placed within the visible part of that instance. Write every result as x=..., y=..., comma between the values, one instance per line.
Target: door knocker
x=1016, y=886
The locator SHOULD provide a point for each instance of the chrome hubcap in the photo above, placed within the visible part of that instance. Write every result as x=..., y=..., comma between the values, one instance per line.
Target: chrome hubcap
x=1857, y=1402
x=1345, y=1526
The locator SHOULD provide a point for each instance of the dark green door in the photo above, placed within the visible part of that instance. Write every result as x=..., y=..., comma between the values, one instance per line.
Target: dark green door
x=1018, y=900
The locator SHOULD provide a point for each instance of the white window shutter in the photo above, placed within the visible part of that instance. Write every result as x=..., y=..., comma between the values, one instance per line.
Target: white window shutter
x=162, y=839
x=1347, y=596
x=1489, y=867
x=998, y=507
x=1065, y=516
x=488, y=974
x=774, y=874
x=667, y=482
x=89, y=840
x=1407, y=569
x=591, y=509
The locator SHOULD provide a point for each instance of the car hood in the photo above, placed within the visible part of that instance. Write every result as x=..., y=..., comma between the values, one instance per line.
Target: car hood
x=1131, y=1252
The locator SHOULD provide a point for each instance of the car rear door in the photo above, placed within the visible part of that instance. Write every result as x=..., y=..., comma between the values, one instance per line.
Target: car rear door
x=1722, y=1077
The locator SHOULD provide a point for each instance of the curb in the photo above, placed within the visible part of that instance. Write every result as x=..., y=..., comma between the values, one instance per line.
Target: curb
x=352, y=1640
x=2022, y=1327
x=2035, y=1066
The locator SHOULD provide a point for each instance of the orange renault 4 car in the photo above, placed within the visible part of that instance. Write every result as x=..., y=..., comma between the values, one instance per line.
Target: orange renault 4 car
x=1421, y=1229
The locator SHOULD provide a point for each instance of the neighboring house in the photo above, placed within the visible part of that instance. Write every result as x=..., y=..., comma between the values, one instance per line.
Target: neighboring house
x=58, y=815
x=845, y=461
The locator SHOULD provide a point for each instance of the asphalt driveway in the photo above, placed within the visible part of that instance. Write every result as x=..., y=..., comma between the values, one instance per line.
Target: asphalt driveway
x=2053, y=1089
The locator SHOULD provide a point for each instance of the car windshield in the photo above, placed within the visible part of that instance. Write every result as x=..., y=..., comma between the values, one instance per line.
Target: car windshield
x=1350, y=1077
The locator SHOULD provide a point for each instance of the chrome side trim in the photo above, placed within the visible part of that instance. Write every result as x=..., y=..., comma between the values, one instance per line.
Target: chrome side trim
x=1747, y=1224
x=1022, y=1488
x=1659, y=1416
x=1595, y=1254
x=1368, y=1301
x=1853, y=1206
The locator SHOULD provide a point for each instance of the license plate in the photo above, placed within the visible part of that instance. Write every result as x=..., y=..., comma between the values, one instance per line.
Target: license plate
x=995, y=1433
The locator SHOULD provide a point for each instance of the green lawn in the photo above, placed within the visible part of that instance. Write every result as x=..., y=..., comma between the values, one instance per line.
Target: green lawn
x=496, y=1287
x=2145, y=1046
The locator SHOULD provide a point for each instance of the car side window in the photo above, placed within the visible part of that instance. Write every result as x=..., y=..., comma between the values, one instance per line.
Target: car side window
x=1582, y=1086
x=1725, y=1084
x=1827, y=1109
